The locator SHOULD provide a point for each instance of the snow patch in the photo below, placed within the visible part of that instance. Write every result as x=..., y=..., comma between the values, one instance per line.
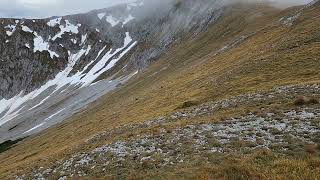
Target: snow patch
x=101, y=15
x=11, y=108
x=71, y=28
x=74, y=41
x=44, y=122
x=26, y=29
x=34, y=128
x=12, y=29
x=54, y=22
x=101, y=66
x=88, y=50
x=113, y=21
x=83, y=38
x=128, y=19
x=41, y=45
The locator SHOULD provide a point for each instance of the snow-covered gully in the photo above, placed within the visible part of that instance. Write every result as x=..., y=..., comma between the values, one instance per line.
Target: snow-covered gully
x=57, y=87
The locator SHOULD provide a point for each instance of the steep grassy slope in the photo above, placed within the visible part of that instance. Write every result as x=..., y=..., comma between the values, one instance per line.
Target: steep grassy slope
x=248, y=50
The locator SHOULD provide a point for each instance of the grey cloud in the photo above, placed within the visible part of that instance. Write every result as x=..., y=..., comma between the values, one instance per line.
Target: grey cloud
x=47, y=8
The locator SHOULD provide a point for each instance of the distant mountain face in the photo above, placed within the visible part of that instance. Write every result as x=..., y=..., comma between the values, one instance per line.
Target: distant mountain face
x=52, y=68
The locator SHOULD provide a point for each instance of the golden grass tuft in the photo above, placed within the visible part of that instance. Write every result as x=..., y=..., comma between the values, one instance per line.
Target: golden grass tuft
x=302, y=100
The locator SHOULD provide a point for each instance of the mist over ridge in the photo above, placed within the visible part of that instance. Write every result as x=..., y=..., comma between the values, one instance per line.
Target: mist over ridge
x=48, y=8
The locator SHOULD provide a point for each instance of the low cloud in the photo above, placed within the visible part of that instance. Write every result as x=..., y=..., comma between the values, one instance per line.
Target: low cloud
x=47, y=8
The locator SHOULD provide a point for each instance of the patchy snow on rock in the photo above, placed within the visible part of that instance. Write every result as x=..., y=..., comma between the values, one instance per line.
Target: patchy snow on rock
x=41, y=45
x=54, y=22
x=74, y=41
x=88, y=50
x=97, y=30
x=34, y=128
x=71, y=28
x=83, y=38
x=113, y=21
x=13, y=107
x=62, y=78
x=101, y=15
x=26, y=29
x=128, y=19
x=107, y=62
x=44, y=122
x=27, y=45
x=12, y=29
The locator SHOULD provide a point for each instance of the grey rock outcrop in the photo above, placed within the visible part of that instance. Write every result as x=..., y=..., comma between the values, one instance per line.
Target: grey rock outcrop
x=24, y=69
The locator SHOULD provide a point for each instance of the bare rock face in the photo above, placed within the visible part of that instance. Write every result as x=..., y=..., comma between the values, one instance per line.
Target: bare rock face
x=34, y=51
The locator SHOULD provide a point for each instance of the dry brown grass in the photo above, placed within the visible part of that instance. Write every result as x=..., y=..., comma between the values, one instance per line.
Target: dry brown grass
x=261, y=165
x=265, y=60
x=302, y=100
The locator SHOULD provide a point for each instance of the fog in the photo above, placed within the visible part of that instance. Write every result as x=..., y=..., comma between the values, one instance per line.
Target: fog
x=281, y=3
x=47, y=8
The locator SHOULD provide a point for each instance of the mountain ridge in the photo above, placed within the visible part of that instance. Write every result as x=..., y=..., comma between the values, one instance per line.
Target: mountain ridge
x=251, y=62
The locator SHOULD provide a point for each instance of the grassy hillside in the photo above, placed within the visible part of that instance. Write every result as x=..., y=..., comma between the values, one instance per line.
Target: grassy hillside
x=261, y=53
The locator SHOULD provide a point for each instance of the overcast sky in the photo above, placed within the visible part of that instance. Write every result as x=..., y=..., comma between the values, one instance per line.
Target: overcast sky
x=46, y=8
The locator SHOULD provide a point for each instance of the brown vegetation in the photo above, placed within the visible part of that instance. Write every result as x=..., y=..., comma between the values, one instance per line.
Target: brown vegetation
x=275, y=55
x=302, y=100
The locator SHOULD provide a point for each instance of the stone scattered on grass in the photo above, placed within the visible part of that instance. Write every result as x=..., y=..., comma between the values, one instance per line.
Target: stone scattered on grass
x=282, y=131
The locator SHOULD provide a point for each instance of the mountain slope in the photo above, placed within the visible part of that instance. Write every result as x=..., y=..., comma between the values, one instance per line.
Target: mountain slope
x=250, y=49
x=55, y=67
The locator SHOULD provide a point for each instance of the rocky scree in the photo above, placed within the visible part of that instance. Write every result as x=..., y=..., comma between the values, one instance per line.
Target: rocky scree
x=288, y=131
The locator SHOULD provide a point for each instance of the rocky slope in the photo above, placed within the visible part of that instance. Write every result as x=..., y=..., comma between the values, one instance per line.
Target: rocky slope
x=51, y=67
x=284, y=131
x=237, y=98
